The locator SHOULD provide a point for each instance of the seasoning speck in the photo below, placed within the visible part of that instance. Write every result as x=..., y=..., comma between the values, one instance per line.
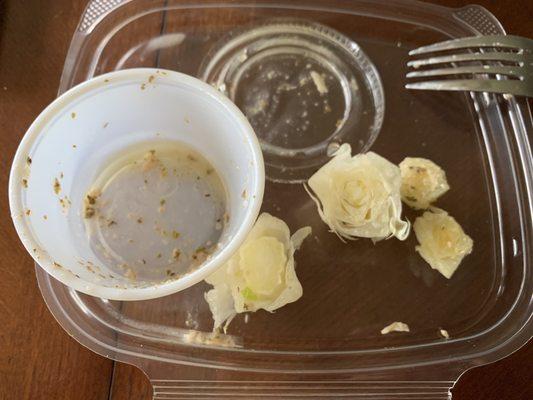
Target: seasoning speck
x=28, y=212
x=162, y=202
x=175, y=234
x=151, y=78
x=28, y=160
x=105, y=125
x=444, y=333
x=176, y=254
x=139, y=220
x=91, y=199
x=25, y=182
x=143, y=86
x=158, y=255
x=57, y=186
x=45, y=216
x=73, y=115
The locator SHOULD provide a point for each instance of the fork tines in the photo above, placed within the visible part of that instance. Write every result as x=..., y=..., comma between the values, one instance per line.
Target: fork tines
x=500, y=64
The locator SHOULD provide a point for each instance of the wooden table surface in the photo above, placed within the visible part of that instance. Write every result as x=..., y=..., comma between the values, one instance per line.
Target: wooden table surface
x=38, y=360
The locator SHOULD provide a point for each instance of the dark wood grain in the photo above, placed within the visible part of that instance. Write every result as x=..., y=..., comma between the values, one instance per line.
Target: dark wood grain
x=38, y=360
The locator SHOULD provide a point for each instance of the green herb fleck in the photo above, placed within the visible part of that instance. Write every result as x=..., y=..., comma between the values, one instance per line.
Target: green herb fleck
x=248, y=294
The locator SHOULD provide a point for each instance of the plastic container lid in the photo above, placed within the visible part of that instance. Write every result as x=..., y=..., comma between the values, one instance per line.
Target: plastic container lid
x=328, y=344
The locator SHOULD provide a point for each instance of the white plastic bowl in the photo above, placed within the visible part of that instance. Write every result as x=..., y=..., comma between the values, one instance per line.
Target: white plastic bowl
x=73, y=137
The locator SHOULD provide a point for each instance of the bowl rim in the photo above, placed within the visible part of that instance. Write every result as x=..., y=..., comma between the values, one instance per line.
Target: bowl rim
x=63, y=274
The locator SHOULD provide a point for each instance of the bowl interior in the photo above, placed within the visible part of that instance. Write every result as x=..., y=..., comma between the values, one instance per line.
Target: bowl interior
x=86, y=128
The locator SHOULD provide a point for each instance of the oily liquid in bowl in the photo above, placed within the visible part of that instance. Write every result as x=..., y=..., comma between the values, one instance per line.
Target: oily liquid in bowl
x=155, y=212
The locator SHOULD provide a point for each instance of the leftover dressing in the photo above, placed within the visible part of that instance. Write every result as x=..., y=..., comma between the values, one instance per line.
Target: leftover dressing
x=155, y=212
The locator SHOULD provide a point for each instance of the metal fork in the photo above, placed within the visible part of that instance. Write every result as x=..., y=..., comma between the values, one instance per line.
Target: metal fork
x=497, y=64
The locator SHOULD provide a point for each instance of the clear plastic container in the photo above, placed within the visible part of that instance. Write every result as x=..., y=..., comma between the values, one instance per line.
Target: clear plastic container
x=328, y=344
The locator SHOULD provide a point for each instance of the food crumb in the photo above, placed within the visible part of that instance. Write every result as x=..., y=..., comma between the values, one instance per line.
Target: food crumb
x=158, y=255
x=74, y=146
x=57, y=186
x=395, y=327
x=444, y=333
x=175, y=234
x=73, y=115
x=90, y=201
x=149, y=161
x=28, y=212
x=176, y=254
x=28, y=160
x=319, y=82
x=65, y=202
x=130, y=274
x=105, y=125
x=25, y=183
x=45, y=216
x=139, y=220
x=151, y=78
x=143, y=86
x=243, y=194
